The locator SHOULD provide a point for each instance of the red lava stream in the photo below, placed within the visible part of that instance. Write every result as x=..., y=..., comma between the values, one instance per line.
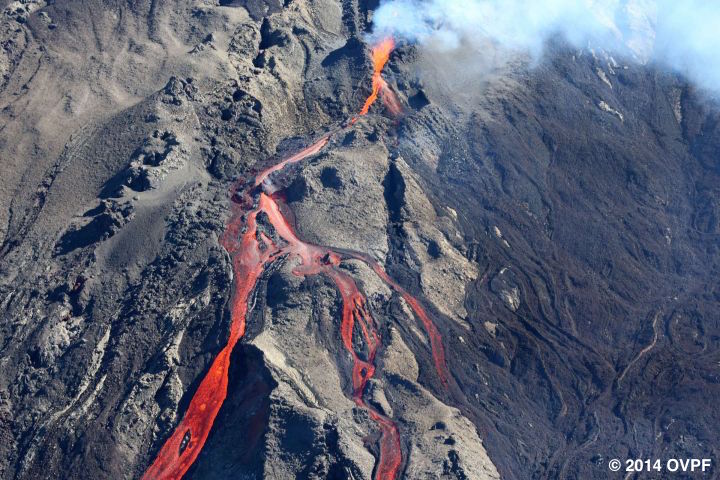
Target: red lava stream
x=258, y=234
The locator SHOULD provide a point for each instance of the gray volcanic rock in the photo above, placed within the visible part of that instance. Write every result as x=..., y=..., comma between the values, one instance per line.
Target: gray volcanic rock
x=342, y=202
x=559, y=223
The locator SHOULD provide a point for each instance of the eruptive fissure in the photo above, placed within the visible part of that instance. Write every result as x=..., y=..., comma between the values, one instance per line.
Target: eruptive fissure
x=258, y=234
x=380, y=56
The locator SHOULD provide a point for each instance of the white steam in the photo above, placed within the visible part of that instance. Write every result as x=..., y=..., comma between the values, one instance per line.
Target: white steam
x=682, y=34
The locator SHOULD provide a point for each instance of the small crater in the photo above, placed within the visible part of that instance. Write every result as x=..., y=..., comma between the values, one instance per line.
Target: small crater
x=433, y=249
x=226, y=114
x=349, y=138
x=330, y=178
x=260, y=60
x=419, y=100
x=297, y=190
x=110, y=218
x=270, y=37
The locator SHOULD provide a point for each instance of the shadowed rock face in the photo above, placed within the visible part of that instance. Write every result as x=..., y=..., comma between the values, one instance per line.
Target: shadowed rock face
x=560, y=226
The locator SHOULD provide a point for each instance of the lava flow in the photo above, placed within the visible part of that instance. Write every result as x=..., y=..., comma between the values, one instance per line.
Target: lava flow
x=253, y=245
x=380, y=56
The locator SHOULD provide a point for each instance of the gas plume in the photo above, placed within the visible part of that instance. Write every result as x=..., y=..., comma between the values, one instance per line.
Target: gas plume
x=679, y=35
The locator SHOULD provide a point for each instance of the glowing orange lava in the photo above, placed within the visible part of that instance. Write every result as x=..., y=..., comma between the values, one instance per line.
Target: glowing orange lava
x=380, y=56
x=252, y=249
x=311, y=150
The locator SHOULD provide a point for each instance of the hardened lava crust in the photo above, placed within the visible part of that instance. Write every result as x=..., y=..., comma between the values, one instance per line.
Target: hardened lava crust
x=496, y=271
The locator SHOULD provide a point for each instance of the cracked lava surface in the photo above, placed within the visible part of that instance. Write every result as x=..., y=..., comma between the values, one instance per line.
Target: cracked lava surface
x=259, y=234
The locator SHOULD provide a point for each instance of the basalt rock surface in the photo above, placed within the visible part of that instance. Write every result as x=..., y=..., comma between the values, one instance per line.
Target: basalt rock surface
x=559, y=222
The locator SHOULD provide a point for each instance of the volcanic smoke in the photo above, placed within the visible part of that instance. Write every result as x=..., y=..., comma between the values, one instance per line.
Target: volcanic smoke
x=678, y=35
x=253, y=246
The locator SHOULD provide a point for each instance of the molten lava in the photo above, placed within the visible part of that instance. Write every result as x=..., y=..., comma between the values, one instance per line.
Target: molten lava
x=253, y=246
x=311, y=150
x=380, y=56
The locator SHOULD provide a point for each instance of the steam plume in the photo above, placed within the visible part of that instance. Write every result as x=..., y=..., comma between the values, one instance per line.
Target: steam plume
x=679, y=34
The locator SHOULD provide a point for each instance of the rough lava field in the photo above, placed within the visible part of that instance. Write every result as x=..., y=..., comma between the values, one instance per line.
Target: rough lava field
x=241, y=239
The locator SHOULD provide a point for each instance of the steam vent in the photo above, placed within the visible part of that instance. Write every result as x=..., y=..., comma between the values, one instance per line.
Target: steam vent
x=359, y=240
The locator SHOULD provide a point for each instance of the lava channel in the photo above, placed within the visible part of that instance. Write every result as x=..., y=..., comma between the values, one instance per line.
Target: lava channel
x=252, y=249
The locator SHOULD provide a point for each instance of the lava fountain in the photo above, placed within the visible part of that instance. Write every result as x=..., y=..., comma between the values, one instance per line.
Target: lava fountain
x=253, y=246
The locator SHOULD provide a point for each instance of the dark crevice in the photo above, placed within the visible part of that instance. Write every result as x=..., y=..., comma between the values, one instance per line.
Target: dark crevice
x=394, y=192
x=236, y=442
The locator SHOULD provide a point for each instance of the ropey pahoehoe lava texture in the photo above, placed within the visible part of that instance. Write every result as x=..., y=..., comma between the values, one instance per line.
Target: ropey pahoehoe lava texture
x=248, y=240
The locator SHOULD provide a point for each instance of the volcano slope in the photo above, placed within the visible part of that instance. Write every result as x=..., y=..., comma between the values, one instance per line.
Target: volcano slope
x=559, y=225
